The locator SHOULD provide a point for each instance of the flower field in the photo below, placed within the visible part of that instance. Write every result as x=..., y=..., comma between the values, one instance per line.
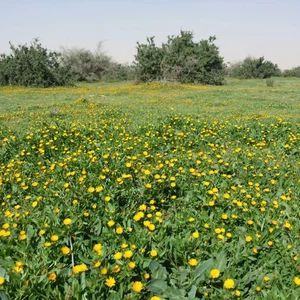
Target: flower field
x=133, y=200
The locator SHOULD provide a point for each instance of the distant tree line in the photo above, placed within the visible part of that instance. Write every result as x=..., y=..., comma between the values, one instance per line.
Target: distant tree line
x=180, y=59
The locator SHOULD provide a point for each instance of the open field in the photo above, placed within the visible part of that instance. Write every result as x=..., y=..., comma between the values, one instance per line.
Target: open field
x=157, y=191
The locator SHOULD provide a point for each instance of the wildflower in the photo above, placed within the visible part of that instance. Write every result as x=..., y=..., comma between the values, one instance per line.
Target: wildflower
x=195, y=234
x=248, y=239
x=214, y=273
x=67, y=221
x=110, y=282
x=297, y=280
x=155, y=298
x=79, y=268
x=153, y=253
x=52, y=276
x=131, y=265
x=54, y=238
x=128, y=254
x=65, y=250
x=137, y=286
x=229, y=283
x=110, y=223
x=2, y=280
x=98, y=248
x=237, y=293
x=118, y=256
x=193, y=262
x=119, y=230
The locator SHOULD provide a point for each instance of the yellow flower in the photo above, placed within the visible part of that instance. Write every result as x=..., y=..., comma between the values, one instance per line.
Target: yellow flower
x=128, y=254
x=79, y=268
x=131, y=265
x=153, y=253
x=297, y=280
x=110, y=223
x=2, y=280
x=248, y=239
x=214, y=273
x=155, y=298
x=65, y=250
x=91, y=189
x=67, y=221
x=193, y=262
x=119, y=230
x=104, y=271
x=110, y=282
x=195, y=234
x=229, y=284
x=237, y=293
x=97, y=264
x=118, y=256
x=98, y=248
x=54, y=238
x=137, y=286
x=52, y=276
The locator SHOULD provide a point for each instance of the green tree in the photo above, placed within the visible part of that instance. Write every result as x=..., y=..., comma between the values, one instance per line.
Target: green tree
x=32, y=65
x=180, y=59
x=253, y=68
x=148, y=61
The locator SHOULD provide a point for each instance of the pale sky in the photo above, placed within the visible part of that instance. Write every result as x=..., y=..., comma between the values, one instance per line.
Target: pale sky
x=267, y=28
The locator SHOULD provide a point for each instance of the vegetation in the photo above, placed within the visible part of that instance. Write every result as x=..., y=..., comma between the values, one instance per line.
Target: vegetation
x=86, y=65
x=150, y=191
x=253, y=68
x=32, y=66
x=180, y=60
x=294, y=72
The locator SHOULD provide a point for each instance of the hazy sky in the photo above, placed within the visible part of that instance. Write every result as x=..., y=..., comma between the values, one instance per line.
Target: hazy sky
x=242, y=27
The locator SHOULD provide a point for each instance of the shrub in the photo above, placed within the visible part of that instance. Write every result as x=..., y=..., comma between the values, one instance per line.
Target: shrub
x=253, y=68
x=294, y=72
x=32, y=65
x=180, y=59
x=270, y=82
x=148, y=61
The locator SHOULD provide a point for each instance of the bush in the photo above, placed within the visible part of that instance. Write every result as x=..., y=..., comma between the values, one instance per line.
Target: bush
x=253, y=68
x=32, y=66
x=148, y=61
x=270, y=82
x=180, y=59
x=295, y=72
x=86, y=65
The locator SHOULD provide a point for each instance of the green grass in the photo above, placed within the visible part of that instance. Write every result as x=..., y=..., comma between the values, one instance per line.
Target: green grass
x=236, y=98
x=122, y=191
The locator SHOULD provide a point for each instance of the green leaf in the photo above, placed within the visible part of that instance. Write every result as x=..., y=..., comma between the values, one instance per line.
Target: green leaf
x=2, y=272
x=3, y=296
x=192, y=292
x=199, y=272
x=157, y=286
x=221, y=261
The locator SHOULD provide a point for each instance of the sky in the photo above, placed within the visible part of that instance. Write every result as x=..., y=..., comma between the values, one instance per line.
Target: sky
x=268, y=28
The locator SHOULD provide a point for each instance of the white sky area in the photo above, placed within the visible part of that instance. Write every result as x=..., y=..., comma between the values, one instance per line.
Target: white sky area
x=242, y=27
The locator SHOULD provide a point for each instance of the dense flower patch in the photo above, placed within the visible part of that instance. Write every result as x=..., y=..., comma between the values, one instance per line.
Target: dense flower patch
x=184, y=208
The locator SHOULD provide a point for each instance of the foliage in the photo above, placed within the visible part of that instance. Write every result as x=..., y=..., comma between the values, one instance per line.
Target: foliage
x=294, y=72
x=270, y=82
x=253, y=68
x=87, y=65
x=148, y=61
x=32, y=65
x=127, y=205
x=180, y=59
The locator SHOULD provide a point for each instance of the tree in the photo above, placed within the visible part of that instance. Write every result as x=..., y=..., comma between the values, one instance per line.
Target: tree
x=253, y=68
x=32, y=65
x=148, y=61
x=187, y=61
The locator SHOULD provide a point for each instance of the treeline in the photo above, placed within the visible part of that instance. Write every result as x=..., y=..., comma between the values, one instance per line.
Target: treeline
x=179, y=59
